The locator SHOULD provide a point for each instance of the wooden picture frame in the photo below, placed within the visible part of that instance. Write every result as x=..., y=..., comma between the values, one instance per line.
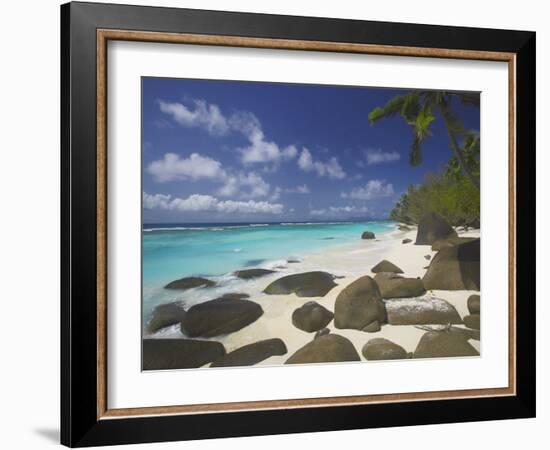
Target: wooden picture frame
x=86, y=418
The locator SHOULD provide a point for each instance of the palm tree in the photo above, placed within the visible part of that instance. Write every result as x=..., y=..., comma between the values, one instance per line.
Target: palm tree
x=417, y=109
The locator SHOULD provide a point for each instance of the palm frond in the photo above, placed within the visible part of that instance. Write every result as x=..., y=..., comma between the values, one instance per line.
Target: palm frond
x=390, y=109
x=454, y=124
x=424, y=119
x=411, y=108
x=468, y=98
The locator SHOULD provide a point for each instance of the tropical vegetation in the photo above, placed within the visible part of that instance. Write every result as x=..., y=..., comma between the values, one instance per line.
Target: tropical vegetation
x=455, y=192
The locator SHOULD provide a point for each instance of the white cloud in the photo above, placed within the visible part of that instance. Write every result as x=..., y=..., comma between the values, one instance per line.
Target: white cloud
x=207, y=203
x=331, y=168
x=196, y=167
x=303, y=189
x=245, y=185
x=204, y=115
x=336, y=211
x=209, y=117
x=260, y=150
x=157, y=201
x=378, y=156
x=373, y=189
x=173, y=168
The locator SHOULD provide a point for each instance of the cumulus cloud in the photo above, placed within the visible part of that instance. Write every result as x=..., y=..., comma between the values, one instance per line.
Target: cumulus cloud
x=378, y=156
x=373, y=189
x=197, y=167
x=259, y=150
x=339, y=211
x=331, y=168
x=210, y=117
x=203, y=115
x=245, y=185
x=173, y=168
x=207, y=203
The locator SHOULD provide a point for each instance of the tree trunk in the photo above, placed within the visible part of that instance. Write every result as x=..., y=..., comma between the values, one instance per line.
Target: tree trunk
x=458, y=151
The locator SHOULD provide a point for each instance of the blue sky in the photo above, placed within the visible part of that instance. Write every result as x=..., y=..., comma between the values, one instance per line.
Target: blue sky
x=230, y=151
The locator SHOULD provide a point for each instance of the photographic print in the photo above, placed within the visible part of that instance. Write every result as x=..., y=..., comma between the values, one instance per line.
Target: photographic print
x=301, y=224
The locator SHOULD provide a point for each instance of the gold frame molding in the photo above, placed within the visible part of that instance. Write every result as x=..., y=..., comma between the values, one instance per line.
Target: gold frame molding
x=105, y=35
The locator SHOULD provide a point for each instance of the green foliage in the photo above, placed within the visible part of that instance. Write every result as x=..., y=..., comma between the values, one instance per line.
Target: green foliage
x=417, y=110
x=453, y=197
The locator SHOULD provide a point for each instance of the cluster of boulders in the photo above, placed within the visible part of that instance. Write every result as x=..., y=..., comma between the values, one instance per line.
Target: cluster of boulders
x=366, y=304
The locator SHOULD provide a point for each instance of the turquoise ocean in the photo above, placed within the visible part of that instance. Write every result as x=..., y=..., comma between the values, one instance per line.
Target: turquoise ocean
x=172, y=251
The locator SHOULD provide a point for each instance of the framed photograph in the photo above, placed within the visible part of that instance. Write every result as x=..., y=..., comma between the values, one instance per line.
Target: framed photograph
x=277, y=224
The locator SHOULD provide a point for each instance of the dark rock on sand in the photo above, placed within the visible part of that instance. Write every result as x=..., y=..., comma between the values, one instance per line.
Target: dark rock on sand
x=322, y=332
x=328, y=348
x=219, y=316
x=235, y=295
x=311, y=317
x=432, y=227
x=381, y=349
x=440, y=344
x=251, y=354
x=307, y=284
x=421, y=311
x=359, y=304
x=473, y=321
x=372, y=327
x=165, y=316
x=161, y=354
x=368, y=235
x=428, y=257
x=190, y=282
x=386, y=266
x=395, y=286
x=293, y=261
x=450, y=242
x=455, y=268
x=406, y=241
x=474, y=304
x=247, y=274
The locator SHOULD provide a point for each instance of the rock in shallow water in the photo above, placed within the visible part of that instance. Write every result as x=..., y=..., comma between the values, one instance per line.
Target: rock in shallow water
x=455, y=268
x=386, y=266
x=251, y=354
x=440, y=344
x=395, y=286
x=307, y=284
x=381, y=349
x=359, y=304
x=220, y=316
x=248, y=274
x=421, y=311
x=189, y=283
x=432, y=227
x=165, y=316
x=328, y=348
x=368, y=235
x=311, y=317
x=163, y=354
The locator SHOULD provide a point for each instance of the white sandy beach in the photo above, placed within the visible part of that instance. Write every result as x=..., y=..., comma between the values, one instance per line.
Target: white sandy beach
x=350, y=261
